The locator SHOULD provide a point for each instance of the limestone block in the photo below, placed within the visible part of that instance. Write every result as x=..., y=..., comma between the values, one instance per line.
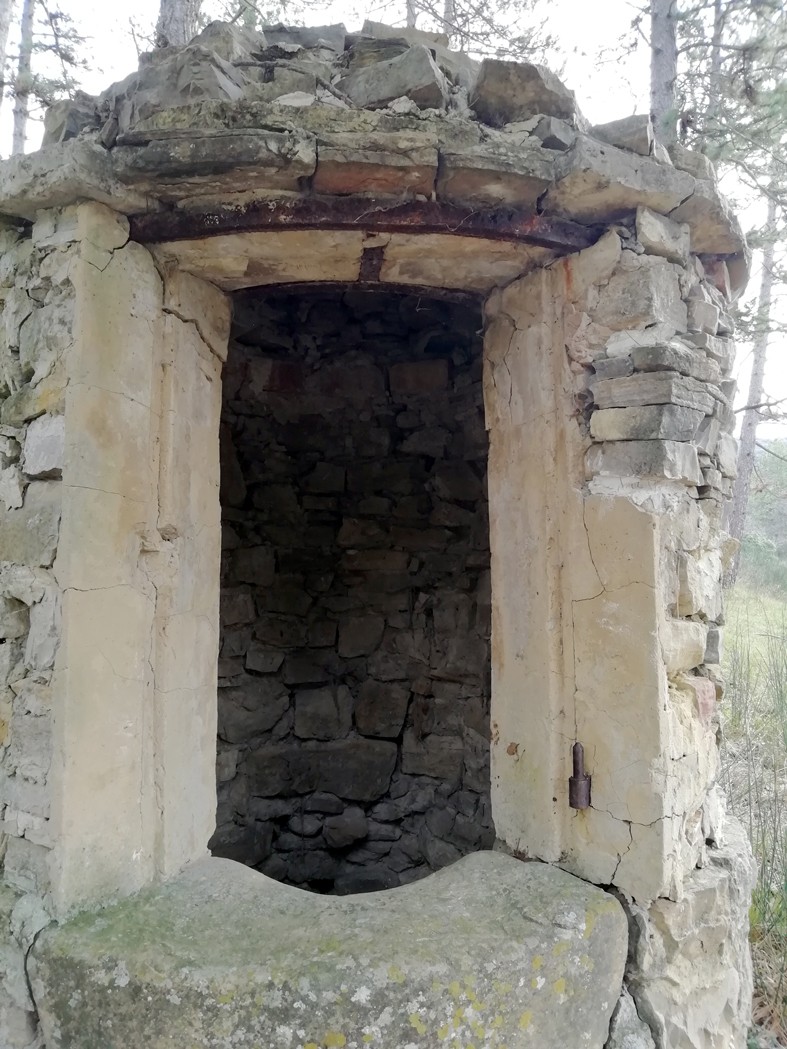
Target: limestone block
x=715, y=230
x=644, y=291
x=721, y=350
x=13, y=619
x=44, y=338
x=12, y=488
x=691, y=972
x=381, y=708
x=356, y=769
x=627, y=1030
x=714, y=645
x=653, y=388
x=727, y=455
x=248, y=711
x=413, y=74
x=599, y=183
x=341, y=831
x=481, y=923
x=231, y=42
x=621, y=343
x=367, y=163
x=323, y=713
x=379, y=31
x=509, y=91
x=324, y=36
x=683, y=644
x=661, y=236
x=202, y=164
x=497, y=171
x=669, y=422
x=44, y=636
x=555, y=134
x=61, y=174
x=360, y=635
x=35, y=399
x=44, y=447
x=634, y=133
x=29, y=535
x=675, y=357
x=697, y=164
x=702, y=316
x=699, y=585
x=65, y=118
x=612, y=367
x=646, y=460
x=202, y=304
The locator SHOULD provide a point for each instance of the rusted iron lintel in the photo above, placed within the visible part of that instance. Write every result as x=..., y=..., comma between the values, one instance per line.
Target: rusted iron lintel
x=340, y=213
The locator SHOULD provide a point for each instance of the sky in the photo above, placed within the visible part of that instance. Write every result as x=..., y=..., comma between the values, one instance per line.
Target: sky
x=607, y=86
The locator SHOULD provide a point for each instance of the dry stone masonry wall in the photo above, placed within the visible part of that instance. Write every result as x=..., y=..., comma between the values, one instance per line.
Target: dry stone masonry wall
x=354, y=669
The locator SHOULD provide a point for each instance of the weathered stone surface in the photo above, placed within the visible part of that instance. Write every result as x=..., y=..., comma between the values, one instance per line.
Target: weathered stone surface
x=380, y=708
x=652, y=388
x=699, y=585
x=481, y=924
x=357, y=769
x=341, y=831
x=658, y=460
x=509, y=91
x=661, y=236
x=599, y=183
x=675, y=357
x=727, y=454
x=682, y=644
x=330, y=36
x=29, y=534
x=693, y=982
x=497, y=171
x=349, y=162
x=627, y=1030
x=414, y=75
x=697, y=164
x=714, y=228
x=434, y=755
x=669, y=422
x=65, y=118
x=643, y=292
x=323, y=713
x=634, y=133
x=44, y=447
x=178, y=168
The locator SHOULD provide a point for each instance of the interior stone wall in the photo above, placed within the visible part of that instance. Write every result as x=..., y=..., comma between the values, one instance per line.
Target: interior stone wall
x=354, y=692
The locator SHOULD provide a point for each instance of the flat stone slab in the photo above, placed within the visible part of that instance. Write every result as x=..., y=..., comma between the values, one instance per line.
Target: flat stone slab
x=490, y=952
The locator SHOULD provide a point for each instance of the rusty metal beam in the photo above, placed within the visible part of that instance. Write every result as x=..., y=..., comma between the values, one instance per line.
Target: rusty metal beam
x=350, y=213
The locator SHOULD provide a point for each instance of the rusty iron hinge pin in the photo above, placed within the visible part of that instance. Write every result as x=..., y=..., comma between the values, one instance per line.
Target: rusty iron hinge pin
x=579, y=783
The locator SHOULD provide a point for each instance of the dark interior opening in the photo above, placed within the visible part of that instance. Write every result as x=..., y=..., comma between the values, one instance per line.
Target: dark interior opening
x=353, y=746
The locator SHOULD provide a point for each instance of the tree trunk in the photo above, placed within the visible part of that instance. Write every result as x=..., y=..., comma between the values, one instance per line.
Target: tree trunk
x=411, y=14
x=6, y=14
x=24, y=79
x=748, y=438
x=663, y=70
x=177, y=22
x=449, y=20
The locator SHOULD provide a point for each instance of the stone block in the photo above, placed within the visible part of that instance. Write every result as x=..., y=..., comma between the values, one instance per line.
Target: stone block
x=29, y=534
x=381, y=708
x=356, y=769
x=237, y=607
x=627, y=1030
x=702, y=316
x=677, y=358
x=393, y=164
x=727, y=455
x=653, y=388
x=263, y=660
x=344, y=830
x=332, y=37
x=661, y=236
x=252, y=709
x=497, y=171
x=323, y=713
x=360, y=635
x=634, y=133
x=720, y=350
x=555, y=134
x=682, y=644
x=44, y=636
x=508, y=91
x=437, y=756
x=645, y=460
x=644, y=291
x=713, y=645
x=697, y=164
x=254, y=564
x=599, y=183
x=612, y=367
x=238, y=957
x=413, y=75
x=669, y=422
x=714, y=228
x=44, y=447
x=699, y=585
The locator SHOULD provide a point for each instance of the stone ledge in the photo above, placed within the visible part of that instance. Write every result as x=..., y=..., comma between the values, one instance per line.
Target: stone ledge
x=482, y=951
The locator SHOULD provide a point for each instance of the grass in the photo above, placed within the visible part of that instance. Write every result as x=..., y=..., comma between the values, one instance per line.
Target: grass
x=755, y=775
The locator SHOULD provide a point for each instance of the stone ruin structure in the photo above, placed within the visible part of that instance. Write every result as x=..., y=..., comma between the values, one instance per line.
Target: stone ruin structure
x=430, y=381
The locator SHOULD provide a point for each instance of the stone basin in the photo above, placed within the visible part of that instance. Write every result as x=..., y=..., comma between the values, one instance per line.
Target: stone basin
x=490, y=953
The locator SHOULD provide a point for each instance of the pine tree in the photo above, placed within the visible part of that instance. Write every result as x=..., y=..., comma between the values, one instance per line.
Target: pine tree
x=178, y=22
